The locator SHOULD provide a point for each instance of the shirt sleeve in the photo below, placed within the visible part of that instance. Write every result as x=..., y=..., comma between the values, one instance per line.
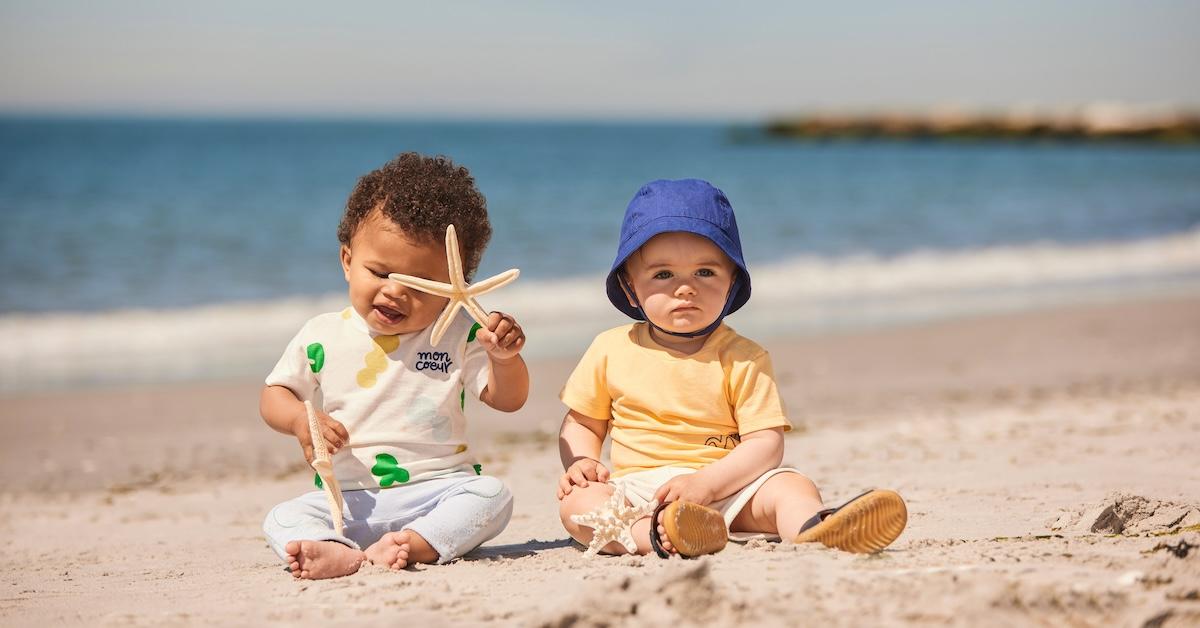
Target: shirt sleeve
x=756, y=402
x=297, y=367
x=586, y=391
x=476, y=367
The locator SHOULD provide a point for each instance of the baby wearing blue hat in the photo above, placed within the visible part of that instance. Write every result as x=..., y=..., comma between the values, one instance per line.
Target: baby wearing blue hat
x=692, y=407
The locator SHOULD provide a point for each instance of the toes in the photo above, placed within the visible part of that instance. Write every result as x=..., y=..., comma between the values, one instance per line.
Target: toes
x=292, y=549
x=666, y=543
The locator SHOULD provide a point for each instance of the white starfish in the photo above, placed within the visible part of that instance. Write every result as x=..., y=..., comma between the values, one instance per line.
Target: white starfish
x=461, y=294
x=612, y=521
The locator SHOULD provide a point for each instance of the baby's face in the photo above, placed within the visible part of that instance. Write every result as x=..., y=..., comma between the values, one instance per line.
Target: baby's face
x=681, y=279
x=379, y=248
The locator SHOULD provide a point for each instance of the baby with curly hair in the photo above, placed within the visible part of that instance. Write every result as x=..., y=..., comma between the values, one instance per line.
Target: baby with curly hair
x=390, y=404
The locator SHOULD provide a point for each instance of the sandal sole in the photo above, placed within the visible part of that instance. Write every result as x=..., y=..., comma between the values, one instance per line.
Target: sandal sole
x=694, y=530
x=863, y=526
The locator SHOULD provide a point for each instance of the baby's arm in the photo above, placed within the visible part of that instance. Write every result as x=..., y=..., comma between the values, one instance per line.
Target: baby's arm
x=579, y=443
x=508, y=378
x=758, y=452
x=285, y=413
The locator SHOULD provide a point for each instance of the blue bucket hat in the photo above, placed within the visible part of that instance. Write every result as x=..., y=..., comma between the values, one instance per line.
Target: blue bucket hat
x=689, y=205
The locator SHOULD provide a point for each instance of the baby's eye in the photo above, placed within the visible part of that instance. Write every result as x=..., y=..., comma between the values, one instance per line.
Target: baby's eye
x=706, y=272
x=663, y=274
x=379, y=274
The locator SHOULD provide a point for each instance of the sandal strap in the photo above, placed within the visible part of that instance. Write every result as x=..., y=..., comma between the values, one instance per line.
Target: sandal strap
x=817, y=518
x=655, y=539
x=822, y=514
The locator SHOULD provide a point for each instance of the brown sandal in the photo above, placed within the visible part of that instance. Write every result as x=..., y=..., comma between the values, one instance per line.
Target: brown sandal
x=692, y=529
x=864, y=525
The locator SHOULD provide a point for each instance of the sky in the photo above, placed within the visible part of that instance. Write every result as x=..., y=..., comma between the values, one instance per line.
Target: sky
x=576, y=60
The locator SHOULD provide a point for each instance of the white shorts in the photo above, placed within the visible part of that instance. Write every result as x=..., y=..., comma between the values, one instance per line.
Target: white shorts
x=641, y=485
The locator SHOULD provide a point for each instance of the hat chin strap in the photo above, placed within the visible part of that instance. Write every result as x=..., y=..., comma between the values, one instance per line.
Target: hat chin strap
x=734, y=288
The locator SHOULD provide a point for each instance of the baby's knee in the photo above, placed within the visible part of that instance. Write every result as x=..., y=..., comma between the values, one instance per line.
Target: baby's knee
x=570, y=504
x=577, y=502
x=289, y=514
x=790, y=484
x=492, y=495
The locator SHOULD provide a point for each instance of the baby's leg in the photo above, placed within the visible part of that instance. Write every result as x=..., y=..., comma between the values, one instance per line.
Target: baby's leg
x=586, y=499
x=301, y=533
x=461, y=517
x=780, y=506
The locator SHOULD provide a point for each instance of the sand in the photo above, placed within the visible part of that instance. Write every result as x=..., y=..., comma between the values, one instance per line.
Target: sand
x=1048, y=459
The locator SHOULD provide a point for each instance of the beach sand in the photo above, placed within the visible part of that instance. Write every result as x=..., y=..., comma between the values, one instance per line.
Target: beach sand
x=1049, y=460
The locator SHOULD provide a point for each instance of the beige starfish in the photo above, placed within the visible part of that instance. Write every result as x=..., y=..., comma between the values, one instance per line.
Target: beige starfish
x=461, y=294
x=612, y=522
x=323, y=464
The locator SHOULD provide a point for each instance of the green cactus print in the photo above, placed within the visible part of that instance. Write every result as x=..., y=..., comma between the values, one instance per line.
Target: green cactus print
x=389, y=471
x=462, y=394
x=478, y=469
x=317, y=480
x=316, y=356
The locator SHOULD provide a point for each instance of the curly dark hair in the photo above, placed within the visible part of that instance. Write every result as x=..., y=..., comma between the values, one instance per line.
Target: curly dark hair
x=422, y=195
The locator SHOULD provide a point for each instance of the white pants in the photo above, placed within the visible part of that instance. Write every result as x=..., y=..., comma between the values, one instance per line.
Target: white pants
x=454, y=514
x=640, y=487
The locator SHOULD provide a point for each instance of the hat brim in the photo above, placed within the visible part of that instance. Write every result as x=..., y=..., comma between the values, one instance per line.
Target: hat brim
x=668, y=224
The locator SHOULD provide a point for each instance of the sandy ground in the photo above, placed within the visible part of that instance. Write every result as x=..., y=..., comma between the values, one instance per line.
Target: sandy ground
x=1049, y=460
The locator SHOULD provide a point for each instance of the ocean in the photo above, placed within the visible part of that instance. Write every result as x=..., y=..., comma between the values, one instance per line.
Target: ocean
x=141, y=251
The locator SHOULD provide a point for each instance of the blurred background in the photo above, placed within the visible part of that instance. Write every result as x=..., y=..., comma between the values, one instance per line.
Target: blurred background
x=171, y=175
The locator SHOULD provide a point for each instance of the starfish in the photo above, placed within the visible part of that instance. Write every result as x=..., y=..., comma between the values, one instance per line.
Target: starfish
x=461, y=294
x=612, y=521
x=323, y=464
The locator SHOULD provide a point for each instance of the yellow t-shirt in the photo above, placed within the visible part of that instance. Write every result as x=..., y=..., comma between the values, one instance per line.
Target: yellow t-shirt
x=672, y=409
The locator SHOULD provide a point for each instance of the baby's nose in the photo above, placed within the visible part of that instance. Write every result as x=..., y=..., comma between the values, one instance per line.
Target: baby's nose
x=685, y=288
x=394, y=289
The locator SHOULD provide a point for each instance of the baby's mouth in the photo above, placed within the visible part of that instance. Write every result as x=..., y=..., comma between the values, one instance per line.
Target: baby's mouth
x=389, y=315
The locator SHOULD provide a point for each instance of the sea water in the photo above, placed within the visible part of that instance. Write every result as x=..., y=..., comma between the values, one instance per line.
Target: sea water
x=152, y=250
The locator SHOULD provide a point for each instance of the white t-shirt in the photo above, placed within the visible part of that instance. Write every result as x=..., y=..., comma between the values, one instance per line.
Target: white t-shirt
x=400, y=398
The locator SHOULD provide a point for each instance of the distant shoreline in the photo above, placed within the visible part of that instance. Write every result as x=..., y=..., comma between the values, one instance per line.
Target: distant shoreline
x=1097, y=123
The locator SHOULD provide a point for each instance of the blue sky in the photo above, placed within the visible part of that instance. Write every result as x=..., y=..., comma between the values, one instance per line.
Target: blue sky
x=529, y=59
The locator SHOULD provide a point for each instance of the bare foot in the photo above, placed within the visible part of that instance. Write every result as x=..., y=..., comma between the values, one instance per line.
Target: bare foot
x=662, y=534
x=392, y=550
x=314, y=560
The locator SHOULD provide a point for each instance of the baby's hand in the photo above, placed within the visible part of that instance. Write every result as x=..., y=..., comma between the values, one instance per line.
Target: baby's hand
x=580, y=473
x=334, y=432
x=502, y=337
x=686, y=488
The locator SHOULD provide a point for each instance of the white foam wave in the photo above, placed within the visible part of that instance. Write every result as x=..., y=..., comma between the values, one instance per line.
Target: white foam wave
x=803, y=295
x=997, y=267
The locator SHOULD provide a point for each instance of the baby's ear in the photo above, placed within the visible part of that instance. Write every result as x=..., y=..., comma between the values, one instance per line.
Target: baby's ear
x=344, y=254
x=626, y=286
